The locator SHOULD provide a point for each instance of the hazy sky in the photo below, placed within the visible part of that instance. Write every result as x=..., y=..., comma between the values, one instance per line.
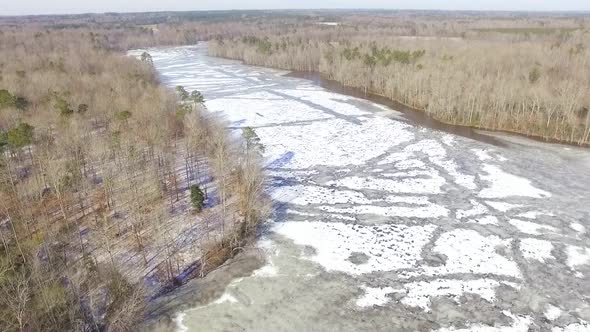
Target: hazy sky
x=25, y=7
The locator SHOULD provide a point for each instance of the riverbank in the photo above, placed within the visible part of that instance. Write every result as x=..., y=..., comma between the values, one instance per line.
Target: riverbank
x=419, y=116
x=485, y=84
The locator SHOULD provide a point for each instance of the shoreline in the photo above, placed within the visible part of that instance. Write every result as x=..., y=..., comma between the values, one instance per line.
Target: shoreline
x=420, y=117
x=411, y=114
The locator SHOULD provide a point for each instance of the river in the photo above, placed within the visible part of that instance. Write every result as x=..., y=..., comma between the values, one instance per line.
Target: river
x=381, y=224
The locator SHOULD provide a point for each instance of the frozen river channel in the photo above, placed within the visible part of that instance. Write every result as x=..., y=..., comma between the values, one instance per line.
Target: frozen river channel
x=382, y=225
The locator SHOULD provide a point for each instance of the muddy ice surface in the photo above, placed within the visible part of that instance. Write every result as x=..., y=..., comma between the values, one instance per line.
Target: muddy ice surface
x=383, y=225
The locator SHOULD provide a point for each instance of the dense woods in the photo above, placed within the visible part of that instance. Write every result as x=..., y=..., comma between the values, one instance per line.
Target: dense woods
x=112, y=188
x=522, y=74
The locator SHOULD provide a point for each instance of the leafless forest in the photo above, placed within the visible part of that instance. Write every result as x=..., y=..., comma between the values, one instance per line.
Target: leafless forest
x=520, y=73
x=112, y=188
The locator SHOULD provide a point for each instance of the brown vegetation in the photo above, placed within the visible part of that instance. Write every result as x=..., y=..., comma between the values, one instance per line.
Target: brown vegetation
x=96, y=165
x=527, y=75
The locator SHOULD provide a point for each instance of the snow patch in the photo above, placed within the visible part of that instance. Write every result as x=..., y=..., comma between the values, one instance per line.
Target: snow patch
x=477, y=209
x=504, y=184
x=578, y=227
x=481, y=154
x=387, y=247
x=430, y=185
x=226, y=298
x=577, y=256
x=503, y=206
x=305, y=195
x=374, y=296
x=334, y=142
x=576, y=327
x=485, y=220
x=419, y=294
x=179, y=321
x=536, y=249
x=534, y=214
x=430, y=211
x=531, y=227
x=552, y=312
x=467, y=251
x=519, y=324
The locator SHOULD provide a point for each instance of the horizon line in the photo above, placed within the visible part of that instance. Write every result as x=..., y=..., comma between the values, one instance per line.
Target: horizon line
x=559, y=11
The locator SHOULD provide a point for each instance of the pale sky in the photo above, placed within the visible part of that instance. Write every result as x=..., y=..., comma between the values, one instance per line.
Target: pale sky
x=27, y=7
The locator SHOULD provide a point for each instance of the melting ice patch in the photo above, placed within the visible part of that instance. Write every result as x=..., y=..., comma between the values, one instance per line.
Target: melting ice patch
x=485, y=220
x=481, y=154
x=332, y=101
x=503, y=206
x=504, y=184
x=552, y=312
x=531, y=227
x=226, y=297
x=386, y=247
x=179, y=321
x=374, y=296
x=576, y=327
x=577, y=256
x=476, y=209
x=519, y=324
x=467, y=251
x=430, y=211
x=536, y=249
x=578, y=227
x=419, y=294
x=263, y=108
x=305, y=195
x=431, y=185
x=333, y=142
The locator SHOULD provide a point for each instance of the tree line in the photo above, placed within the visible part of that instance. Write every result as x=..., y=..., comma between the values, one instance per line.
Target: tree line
x=497, y=78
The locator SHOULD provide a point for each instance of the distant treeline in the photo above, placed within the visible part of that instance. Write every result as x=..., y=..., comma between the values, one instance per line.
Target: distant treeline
x=526, y=75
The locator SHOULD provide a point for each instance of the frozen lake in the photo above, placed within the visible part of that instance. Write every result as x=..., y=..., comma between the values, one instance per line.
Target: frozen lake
x=382, y=225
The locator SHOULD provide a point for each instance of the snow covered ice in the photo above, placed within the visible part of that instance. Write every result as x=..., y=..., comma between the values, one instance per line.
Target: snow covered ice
x=395, y=218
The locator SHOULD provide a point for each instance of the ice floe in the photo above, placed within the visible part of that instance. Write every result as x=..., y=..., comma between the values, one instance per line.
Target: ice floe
x=476, y=209
x=578, y=227
x=552, y=312
x=536, y=249
x=430, y=185
x=305, y=195
x=226, y=297
x=519, y=324
x=576, y=327
x=503, y=184
x=386, y=247
x=531, y=227
x=482, y=154
x=577, y=256
x=334, y=142
x=429, y=211
x=503, y=206
x=419, y=294
x=485, y=220
x=468, y=251
x=374, y=296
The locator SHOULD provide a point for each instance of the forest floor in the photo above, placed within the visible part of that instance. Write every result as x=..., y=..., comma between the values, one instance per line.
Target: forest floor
x=380, y=224
x=173, y=238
